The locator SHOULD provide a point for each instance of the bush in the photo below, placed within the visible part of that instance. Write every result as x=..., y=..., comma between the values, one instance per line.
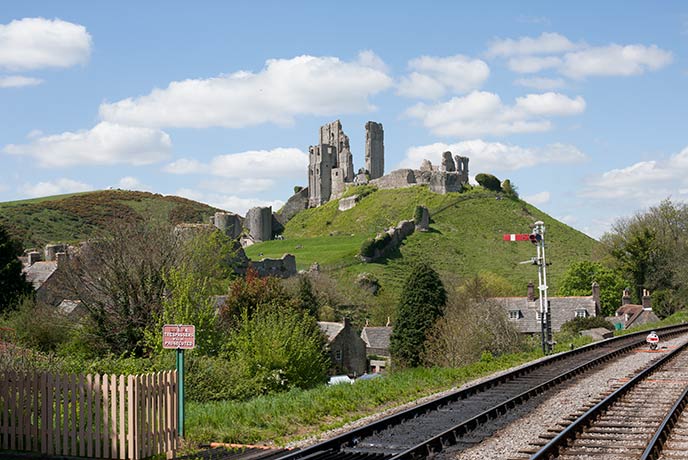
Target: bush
x=575, y=325
x=297, y=189
x=368, y=248
x=277, y=349
x=418, y=215
x=489, y=182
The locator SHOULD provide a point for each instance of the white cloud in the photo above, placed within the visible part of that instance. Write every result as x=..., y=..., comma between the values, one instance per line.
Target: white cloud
x=546, y=43
x=254, y=164
x=533, y=64
x=537, y=198
x=56, y=187
x=432, y=76
x=578, y=61
x=554, y=104
x=645, y=182
x=615, y=60
x=131, y=183
x=495, y=156
x=105, y=144
x=34, y=43
x=541, y=83
x=483, y=113
x=231, y=203
x=17, y=81
x=285, y=88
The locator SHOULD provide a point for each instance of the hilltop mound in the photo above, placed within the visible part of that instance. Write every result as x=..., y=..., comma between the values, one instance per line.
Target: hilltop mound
x=76, y=217
x=465, y=237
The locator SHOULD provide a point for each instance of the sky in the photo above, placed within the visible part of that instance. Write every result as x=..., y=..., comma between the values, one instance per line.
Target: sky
x=582, y=105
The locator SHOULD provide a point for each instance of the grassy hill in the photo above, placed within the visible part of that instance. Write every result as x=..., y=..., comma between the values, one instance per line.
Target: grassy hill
x=465, y=238
x=76, y=217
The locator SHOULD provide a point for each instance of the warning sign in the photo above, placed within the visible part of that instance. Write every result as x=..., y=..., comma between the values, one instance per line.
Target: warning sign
x=179, y=336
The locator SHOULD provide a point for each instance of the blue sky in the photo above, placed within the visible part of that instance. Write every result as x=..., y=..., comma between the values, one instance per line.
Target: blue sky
x=581, y=104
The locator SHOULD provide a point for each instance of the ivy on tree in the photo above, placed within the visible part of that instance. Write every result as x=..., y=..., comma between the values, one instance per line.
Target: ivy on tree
x=13, y=284
x=422, y=300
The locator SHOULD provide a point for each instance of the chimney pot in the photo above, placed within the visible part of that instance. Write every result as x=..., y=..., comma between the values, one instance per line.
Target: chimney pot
x=531, y=291
x=626, y=298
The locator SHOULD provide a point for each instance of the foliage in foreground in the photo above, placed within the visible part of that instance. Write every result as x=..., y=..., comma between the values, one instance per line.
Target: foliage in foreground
x=422, y=300
x=302, y=412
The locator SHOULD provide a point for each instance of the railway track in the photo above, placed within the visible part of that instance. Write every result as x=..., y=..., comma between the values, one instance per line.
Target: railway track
x=427, y=429
x=633, y=421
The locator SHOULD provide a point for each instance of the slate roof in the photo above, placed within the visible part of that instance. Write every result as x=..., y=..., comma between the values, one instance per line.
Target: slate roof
x=562, y=309
x=376, y=337
x=636, y=315
x=39, y=272
x=330, y=329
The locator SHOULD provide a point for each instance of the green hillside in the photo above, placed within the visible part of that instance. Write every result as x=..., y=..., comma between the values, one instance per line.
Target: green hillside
x=465, y=237
x=76, y=217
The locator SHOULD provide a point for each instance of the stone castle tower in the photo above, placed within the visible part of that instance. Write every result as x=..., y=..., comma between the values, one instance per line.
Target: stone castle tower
x=375, y=149
x=330, y=164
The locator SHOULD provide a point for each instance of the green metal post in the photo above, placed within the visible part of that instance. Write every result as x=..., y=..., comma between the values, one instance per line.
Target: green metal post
x=180, y=393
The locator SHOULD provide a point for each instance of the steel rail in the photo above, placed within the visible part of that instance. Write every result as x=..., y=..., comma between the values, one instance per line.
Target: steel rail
x=352, y=437
x=451, y=436
x=551, y=449
x=654, y=448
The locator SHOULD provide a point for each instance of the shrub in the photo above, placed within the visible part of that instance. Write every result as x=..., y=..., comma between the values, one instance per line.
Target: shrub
x=575, y=325
x=297, y=189
x=277, y=349
x=489, y=182
x=368, y=248
x=418, y=215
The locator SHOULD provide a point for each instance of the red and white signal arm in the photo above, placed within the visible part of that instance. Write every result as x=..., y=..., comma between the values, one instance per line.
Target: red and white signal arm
x=179, y=336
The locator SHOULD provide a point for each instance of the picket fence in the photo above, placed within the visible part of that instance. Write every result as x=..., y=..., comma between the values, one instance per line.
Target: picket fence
x=92, y=416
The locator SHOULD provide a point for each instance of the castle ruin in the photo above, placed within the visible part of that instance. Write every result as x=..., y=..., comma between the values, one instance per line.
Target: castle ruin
x=331, y=169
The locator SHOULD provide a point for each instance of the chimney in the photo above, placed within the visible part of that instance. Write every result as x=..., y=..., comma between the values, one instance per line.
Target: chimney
x=33, y=257
x=646, y=300
x=61, y=258
x=626, y=298
x=596, y=297
x=531, y=292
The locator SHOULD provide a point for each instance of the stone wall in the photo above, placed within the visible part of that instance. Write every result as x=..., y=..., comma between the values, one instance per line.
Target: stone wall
x=280, y=268
x=228, y=223
x=397, y=235
x=259, y=223
x=375, y=149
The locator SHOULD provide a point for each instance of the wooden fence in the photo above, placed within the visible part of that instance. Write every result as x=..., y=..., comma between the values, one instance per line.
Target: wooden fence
x=93, y=416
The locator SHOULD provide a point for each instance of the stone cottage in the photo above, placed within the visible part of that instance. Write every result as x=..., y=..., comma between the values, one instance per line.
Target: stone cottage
x=376, y=339
x=524, y=312
x=629, y=315
x=347, y=349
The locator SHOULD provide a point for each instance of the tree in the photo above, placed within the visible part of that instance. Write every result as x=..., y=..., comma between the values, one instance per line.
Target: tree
x=188, y=300
x=650, y=249
x=248, y=294
x=275, y=349
x=578, y=279
x=307, y=300
x=120, y=280
x=467, y=329
x=489, y=182
x=422, y=299
x=509, y=189
x=13, y=284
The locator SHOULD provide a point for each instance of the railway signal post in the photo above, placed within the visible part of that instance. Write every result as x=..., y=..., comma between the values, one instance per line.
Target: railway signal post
x=537, y=237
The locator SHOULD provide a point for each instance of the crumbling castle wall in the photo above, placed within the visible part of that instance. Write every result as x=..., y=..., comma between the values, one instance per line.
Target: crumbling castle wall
x=375, y=149
x=259, y=223
x=281, y=268
x=228, y=223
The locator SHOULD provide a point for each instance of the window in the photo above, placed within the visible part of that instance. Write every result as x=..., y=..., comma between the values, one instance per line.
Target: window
x=515, y=314
x=582, y=313
x=338, y=355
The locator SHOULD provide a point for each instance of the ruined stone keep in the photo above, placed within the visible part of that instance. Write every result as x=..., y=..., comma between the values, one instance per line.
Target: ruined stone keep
x=331, y=169
x=375, y=149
